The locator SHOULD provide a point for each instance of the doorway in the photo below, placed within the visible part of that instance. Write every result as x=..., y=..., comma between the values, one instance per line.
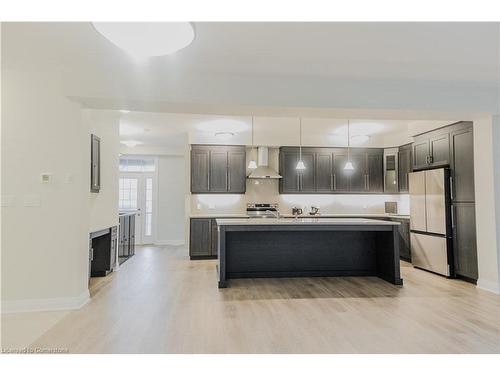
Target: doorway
x=137, y=192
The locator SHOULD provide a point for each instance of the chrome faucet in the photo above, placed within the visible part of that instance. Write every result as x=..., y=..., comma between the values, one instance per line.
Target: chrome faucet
x=276, y=213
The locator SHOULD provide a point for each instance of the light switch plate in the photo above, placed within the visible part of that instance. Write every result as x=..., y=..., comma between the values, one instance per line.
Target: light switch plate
x=45, y=178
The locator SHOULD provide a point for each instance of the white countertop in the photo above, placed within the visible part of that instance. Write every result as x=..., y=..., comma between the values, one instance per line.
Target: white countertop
x=304, y=221
x=215, y=216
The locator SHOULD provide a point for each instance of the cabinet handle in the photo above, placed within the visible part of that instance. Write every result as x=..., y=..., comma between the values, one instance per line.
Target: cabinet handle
x=451, y=187
x=367, y=182
x=431, y=159
x=452, y=216
x=228, y=180
x=331, y=182
x=334, y=182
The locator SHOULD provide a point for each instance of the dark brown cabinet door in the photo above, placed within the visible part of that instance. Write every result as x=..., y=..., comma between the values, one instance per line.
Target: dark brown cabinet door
x=236, y=171
x=462, y=165
x=421, y=153
x=214, y=238
x=439, y=150
x=289, y=183
x=358, y=177
x=340, y=176
x=200, y=159
x=131, y=245
x=464, y=239
x=200, y=244
x=375, y=171
x=404, y=167
x=218, y=172
x=324, y=171
x=307, y=184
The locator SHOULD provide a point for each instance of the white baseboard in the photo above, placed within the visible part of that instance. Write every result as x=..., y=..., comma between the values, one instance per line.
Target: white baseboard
x=45, y=304
x=490, y=286
x=169, y=242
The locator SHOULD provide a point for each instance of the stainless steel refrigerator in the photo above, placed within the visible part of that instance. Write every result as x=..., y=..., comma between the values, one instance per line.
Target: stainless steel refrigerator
x=430, y=221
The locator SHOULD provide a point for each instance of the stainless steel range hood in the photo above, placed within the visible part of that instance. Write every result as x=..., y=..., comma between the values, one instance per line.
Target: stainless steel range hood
x=263, y=170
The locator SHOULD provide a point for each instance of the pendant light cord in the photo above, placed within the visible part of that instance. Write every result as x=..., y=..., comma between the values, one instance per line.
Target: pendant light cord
x=300, y=138
x=348, y=142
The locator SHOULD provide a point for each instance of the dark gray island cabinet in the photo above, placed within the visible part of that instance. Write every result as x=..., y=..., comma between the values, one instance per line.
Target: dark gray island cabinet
x=251, y=248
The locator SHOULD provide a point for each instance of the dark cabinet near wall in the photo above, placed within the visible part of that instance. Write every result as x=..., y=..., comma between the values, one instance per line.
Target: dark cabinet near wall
x=404, y=167
x=325, y=172
x=464, y=239
x=463, y=200
x=218, y=169
x=431, y=150
x=102, y=251
x=462, y=164
x=126, y=236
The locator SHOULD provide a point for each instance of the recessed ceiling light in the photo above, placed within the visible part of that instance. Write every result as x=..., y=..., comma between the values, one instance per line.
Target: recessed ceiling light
x=131, y=143
x=224, y=134
x=147, y=39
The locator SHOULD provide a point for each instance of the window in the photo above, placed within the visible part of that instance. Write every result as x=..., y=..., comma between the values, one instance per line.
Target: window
x=128, y=192
x=129, y=164
x=149, y=206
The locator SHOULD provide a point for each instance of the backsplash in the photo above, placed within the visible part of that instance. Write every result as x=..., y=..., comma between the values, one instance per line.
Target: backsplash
x=266, y=191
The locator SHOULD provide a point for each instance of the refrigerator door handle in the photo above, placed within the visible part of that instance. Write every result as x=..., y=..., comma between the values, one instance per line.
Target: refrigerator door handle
x=452, y=208
x=451, y=187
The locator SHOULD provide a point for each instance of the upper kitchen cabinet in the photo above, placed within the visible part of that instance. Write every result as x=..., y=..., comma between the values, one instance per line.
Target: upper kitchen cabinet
x=462, y=163
x=297, y=181
x=325, y=172
x=323, y=169
x=95, y=163
x=431, y=149
x=289, y=182
x=404, y=167
x=375, y=170
x=218, y=169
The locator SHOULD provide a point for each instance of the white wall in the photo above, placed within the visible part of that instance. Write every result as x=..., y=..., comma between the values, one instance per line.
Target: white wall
x=104, y=205
x=487, y=191
x=171, y=192
x=44, y=226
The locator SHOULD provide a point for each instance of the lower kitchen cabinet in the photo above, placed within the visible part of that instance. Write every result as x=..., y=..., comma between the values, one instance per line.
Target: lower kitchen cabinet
x=464, y=240
x=200, y=238
x=404, y=238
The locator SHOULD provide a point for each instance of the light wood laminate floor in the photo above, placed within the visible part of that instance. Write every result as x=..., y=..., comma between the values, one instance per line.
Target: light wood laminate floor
x=161, y=302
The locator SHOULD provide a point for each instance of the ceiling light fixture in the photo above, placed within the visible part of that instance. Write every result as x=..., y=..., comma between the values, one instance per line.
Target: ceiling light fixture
x=224, y=135
x=252, y=164
x=348, y=166
x=147, y=39
x=131, y=143
x=300, y=165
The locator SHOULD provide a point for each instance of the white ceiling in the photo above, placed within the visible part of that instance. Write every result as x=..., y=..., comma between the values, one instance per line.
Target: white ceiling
x=431, y=66
x=172, y=132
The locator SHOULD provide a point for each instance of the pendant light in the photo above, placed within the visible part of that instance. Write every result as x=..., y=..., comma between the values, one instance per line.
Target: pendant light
x=348, y=166
x=252, y=164
x=300, y=165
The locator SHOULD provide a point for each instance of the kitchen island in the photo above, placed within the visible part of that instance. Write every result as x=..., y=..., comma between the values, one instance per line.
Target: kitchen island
x=289, y=247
